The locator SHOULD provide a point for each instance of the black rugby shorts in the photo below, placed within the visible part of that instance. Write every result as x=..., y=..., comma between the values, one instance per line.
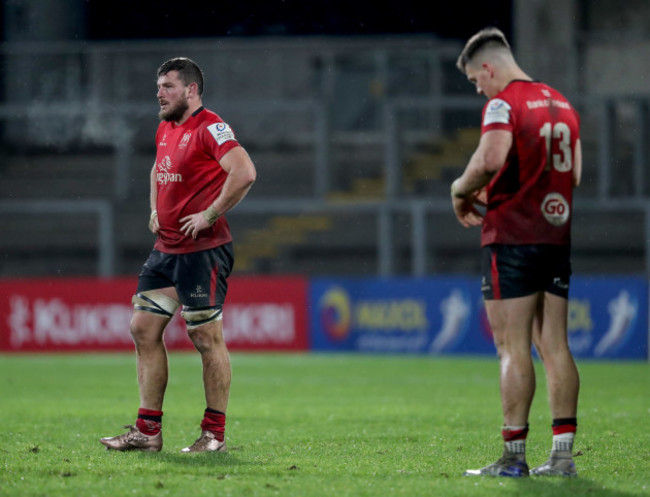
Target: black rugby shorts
x=511, y=271
x=200, y=278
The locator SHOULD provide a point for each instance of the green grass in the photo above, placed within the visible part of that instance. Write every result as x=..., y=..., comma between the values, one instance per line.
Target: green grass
x=310, y=425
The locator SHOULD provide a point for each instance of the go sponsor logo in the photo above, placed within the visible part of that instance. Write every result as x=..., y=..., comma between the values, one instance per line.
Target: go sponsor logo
x=555, y=209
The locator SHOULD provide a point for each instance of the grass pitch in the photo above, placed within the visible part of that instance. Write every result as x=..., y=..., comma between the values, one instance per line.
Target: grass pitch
x=311, y=425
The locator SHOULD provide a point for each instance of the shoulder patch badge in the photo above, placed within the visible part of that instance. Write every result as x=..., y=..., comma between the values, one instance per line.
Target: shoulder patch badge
x=498, y=111
x=221, y=132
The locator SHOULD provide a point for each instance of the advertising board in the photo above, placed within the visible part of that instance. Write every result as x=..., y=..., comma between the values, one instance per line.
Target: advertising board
x=87, y=314
x=607, y=318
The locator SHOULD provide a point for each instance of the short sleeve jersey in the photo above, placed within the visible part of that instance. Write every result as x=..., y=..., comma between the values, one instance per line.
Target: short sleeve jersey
x=189, y=178
x=530, y=197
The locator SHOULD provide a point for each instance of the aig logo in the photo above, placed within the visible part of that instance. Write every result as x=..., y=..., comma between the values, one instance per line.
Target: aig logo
x=555, y=209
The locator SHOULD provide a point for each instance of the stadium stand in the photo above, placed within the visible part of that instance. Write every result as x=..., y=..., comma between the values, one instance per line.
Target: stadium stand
x=355, y=141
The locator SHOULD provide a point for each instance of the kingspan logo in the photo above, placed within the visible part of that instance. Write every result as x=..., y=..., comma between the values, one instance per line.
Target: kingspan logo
x=164, y=174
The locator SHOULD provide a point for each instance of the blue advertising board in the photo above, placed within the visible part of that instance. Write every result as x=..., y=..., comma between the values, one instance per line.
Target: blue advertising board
x=608, y=317
x=399, y=315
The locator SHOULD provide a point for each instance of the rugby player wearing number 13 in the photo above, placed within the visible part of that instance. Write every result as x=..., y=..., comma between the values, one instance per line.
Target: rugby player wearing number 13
x=523, y=172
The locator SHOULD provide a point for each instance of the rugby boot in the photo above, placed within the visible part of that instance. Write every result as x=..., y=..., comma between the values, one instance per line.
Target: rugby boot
x=557, y=465
x=134, y=439
x=508, y=465
x=207, y=442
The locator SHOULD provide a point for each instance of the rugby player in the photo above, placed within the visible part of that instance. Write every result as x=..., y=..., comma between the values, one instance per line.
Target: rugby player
x=522, y=173
x=200, y=173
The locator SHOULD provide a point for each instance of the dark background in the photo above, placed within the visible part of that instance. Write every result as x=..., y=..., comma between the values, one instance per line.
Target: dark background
x=121, y=19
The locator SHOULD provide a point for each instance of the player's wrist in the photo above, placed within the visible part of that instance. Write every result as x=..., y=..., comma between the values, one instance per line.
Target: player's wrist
x=456, y=192
x=210, y=215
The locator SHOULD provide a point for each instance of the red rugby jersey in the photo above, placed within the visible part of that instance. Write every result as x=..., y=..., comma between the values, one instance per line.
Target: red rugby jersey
x=530, y=197
x=189, y=178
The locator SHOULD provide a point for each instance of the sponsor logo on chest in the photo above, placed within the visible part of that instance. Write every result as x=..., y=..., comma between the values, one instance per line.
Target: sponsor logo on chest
x=165, y=173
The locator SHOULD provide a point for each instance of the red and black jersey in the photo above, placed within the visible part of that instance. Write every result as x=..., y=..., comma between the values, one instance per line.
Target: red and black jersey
x=530, y=197
x=189, y=178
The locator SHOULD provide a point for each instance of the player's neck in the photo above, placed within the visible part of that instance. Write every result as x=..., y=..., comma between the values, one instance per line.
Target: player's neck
x=189, y=113
x=514, y=74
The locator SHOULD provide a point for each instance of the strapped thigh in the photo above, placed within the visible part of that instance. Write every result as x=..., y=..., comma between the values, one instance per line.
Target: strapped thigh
x=155, y=302
x=197, y=316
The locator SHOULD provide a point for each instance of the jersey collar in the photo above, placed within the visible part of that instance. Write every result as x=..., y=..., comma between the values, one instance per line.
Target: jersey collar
x=193, y=115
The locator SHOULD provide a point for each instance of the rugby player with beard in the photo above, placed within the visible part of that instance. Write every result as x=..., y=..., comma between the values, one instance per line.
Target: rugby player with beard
x=200, y=173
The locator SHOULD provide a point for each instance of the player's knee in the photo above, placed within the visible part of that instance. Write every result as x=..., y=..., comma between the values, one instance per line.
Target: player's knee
x=142, y=337
x=202, y=341
x=147, y=327
x=144, y=332
x=553, y=349
x=206, y=339
x=498, y=339
x=199, y=322
x=138, y=331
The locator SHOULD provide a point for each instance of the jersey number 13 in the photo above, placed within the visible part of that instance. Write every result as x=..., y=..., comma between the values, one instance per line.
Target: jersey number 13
x=561, y=133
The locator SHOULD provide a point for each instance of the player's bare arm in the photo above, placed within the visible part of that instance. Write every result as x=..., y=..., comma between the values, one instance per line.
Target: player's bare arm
x=241, y=176
x=153, y=218
x=577, y=163
x=466, y=191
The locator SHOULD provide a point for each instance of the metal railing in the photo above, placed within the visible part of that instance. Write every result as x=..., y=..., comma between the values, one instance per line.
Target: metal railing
x=102, y=209
x=423, y=255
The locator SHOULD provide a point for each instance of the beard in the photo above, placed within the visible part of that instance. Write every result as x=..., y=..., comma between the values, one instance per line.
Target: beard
x=174, y=113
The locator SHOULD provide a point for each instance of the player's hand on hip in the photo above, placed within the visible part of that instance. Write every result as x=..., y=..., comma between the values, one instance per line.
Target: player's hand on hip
x=480, y=197
x=154, y=226
x=466, y=212
x=193, y=224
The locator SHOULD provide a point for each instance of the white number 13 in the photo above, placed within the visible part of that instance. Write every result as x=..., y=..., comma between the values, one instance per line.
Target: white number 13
x=560, y=131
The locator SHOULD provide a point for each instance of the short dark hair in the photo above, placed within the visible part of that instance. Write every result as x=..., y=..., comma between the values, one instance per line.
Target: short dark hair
x=188, y=71
x=487, y=37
